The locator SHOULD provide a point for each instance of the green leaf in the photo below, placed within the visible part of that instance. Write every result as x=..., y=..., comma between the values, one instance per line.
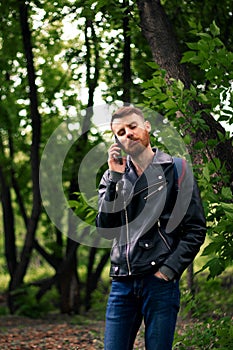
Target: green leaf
x=193, y=90
x=203, y=47
x=206, y=173
x=216, y=267
x=228, y=209
x=192, y=46
x=73, y=203
x=226, y=193
x=196, y=60
x=188, y=56
x=212, y=197
x=187, y=139
x=218, y=43
x=153, y=65
x=217, y=163
x=180, y=85
x=199, y=145
x=203, y=97
x=212, y=142
x=205, y=36
x=170, y=104
x=211, y=248
x=214, y=29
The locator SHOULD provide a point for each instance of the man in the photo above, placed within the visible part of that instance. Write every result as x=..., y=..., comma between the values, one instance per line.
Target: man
x=154, y=238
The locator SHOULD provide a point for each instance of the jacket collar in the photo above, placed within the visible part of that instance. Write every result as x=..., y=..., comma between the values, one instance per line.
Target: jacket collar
x=149, y=178
x=159, y=158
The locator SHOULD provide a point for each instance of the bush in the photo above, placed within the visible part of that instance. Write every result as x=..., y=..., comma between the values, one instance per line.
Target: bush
x=210, y=325
x=27, y=303
x=211, y=334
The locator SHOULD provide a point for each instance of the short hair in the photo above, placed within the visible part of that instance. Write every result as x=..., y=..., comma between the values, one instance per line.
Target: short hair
x=124, y=111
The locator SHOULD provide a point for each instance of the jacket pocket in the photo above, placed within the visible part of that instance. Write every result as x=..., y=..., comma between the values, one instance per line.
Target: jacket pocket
x=152, y=250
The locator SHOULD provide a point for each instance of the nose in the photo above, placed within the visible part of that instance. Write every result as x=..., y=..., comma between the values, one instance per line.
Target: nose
x=129, y=133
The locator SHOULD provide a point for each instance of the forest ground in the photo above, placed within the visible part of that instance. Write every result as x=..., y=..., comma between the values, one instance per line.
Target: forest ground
x=57, y=332
x=210, y=326
x=54, y=332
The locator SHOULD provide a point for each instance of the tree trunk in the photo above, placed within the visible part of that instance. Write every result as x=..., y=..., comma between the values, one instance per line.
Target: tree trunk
x=93, y=276
x=127, y=81
x=21, y=268
x=9, y=224
x=89, y=282
x=165, y=51
x=190, y=281
x=160, y=36
x=68, y=281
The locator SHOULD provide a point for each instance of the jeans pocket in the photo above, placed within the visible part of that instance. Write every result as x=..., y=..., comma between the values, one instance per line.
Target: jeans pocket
x=162, y=280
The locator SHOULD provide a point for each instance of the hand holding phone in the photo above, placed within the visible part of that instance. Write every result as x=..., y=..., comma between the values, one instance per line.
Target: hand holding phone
x=116, y=161
x=119, y=158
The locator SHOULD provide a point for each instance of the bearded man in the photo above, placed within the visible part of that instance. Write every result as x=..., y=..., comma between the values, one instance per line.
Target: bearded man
x=155, y=236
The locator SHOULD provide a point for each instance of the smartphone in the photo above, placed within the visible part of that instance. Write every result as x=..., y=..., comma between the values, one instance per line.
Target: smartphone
x=120, y=160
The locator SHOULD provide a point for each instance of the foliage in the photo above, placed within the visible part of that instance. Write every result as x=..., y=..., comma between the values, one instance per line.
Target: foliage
x=65, y=71
x=86, y=212
x=211, y=309
x=181, y=13
x=210, y=334
x=211, y=297
x=60, y=66
x=215, y=61
x=30, y=306
x=111, y=32
x=220, y=217
x=216, y=64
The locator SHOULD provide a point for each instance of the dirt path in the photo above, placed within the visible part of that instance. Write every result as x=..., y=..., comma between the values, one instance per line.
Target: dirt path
x=21, y=333
x=55, y=332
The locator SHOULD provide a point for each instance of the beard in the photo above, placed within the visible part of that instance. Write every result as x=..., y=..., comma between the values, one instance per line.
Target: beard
x=136, y=146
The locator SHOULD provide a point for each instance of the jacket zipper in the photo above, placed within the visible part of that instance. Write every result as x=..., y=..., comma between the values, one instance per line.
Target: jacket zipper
x=127, y=241
x=127, y=223
x=148, y=187
x=152, y=193
x=164, y=240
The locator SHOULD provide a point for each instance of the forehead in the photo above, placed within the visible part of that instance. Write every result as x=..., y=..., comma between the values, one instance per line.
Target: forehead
x=122, y=122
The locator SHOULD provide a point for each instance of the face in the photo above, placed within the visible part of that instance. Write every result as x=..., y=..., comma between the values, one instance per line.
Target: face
x=133, y=133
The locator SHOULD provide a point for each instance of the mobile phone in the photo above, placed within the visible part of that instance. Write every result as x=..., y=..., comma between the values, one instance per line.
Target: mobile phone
x=119, y=158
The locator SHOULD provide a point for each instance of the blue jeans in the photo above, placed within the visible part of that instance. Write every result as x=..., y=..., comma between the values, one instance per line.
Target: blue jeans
x=150, y=298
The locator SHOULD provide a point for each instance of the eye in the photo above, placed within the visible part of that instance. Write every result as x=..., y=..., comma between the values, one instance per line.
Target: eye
x=133, y=126
x=121, y=132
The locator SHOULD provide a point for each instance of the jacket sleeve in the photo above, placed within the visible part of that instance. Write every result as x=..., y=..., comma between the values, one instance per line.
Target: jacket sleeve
x=110, y=205
x=192, y=229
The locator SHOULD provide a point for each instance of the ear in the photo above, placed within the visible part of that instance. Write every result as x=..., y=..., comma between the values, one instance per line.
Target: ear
x=147, y=125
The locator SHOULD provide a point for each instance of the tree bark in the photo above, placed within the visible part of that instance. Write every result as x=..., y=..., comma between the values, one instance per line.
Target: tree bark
x=68, y=281
x=159, y=34
x=9, y=224
x=15, y=183
x=93, y=276
x=165, y=51
x=127, y=81
x=21, y=268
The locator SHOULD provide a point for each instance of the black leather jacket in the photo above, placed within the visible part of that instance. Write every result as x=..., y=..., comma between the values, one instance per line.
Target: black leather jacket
x=154, y=223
